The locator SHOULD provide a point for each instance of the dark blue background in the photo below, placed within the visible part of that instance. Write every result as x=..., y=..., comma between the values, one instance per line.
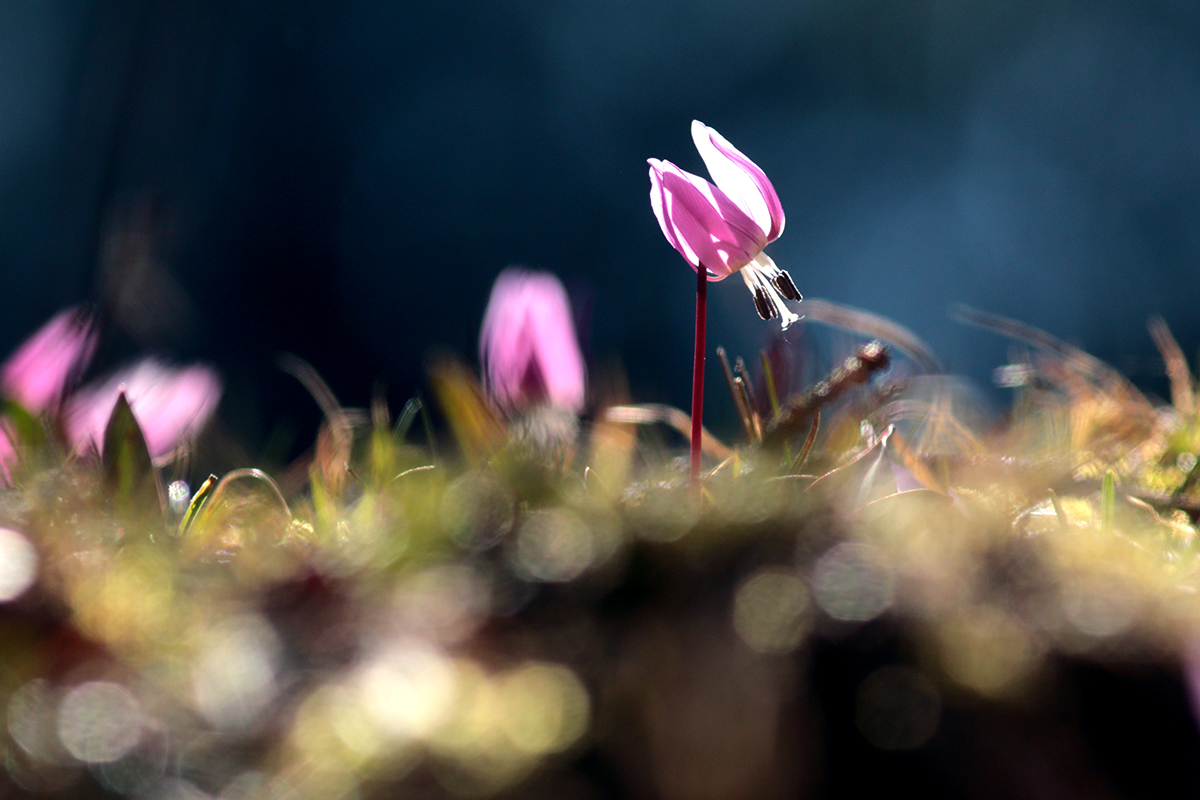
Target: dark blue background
x=343, y=180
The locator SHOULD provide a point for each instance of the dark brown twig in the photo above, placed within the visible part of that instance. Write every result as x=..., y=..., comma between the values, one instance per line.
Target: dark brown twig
x=870, y=358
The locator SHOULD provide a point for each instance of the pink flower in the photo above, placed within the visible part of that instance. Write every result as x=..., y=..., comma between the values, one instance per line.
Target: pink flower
x=724, y=228
x=37, y=374
x=169, y=404
x=527, y=344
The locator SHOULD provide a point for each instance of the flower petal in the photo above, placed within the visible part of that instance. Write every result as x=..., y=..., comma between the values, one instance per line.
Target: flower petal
x=527, y=344
x=37, y=374
x=740, y=179
x=169, y=404
x=701, y=222
x=658, y=203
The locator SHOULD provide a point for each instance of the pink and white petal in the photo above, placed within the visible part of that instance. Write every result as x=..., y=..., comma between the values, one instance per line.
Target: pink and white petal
x=504, y=345
x=169, y=404
x=699, y=227
x=176, y=408
x=735, y=224
x=741, y=179
x=557, y=351
x=729, y=224
x=37, y=374
x=658, y=203
x=528, y=345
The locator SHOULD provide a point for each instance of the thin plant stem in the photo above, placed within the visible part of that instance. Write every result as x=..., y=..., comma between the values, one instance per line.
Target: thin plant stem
x=698, y=375
x=739, y=400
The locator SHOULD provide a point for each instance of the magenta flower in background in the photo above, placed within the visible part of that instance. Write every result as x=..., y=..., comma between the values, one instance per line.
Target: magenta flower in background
x=725, y=227
x=37, y=374
x=169, y=404
x=527, y=344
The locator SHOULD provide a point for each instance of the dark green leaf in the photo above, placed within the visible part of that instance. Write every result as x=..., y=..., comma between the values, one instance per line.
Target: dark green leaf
x=128, y=469
x=23, y=424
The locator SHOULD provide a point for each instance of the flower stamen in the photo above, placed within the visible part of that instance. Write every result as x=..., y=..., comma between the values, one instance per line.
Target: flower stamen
x=783, y=282
x=763, y=304
x=769, y=285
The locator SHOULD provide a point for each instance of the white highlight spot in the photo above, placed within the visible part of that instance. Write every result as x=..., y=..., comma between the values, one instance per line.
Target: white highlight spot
x=408, y=690
x=18, y=564
x=234, y=678
x=179, y=496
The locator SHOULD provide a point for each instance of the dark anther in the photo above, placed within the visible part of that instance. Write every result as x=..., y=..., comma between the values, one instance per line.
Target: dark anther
x=763, y=303
x=783, y=282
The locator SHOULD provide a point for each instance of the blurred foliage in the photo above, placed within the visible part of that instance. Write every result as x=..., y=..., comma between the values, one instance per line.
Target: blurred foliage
x=550, y=613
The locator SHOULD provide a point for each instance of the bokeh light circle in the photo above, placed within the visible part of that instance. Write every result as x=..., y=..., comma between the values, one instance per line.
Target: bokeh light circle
x=897, y=708
x=99, y=722
x=18, y=564
x=850, y=582
x=772, y=611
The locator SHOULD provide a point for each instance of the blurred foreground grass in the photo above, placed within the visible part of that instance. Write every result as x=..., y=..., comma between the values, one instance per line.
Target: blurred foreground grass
x=887, y=596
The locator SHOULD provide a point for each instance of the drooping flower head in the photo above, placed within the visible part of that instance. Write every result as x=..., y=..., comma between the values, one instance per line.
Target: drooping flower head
x=527, y=344
x=38, y=373
x=724, y=228
x=169, y=404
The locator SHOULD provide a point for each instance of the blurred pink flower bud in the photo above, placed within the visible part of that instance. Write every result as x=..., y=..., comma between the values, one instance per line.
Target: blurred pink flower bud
x=37, y=374
x=724, y=228
x=527, y=344
x=169, y=404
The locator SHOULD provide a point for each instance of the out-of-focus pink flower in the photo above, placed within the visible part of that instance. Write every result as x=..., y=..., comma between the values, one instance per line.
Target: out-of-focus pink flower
x=169, y=404
x=725, y=227
x=527, y=344
x=37, y=374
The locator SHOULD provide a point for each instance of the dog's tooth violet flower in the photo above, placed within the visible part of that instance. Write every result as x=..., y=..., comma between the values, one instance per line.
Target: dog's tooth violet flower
x=37, y=374
x=527, y=344
x=169, y=404
x=724, y=228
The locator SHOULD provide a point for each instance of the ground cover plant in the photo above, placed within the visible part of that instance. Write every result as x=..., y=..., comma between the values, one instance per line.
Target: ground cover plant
x=517, y=584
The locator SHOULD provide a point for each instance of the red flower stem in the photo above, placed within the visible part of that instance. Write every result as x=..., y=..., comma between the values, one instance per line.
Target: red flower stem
x=698, y=374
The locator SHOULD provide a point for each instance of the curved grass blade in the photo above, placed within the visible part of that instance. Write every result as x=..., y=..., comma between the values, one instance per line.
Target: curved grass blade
x=739, y=398
x=407, y=416
x=657, y=413
x=1182, y=396
x=255, y=475
x=202, y=496
x=1075, y=359
x=874, y=326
